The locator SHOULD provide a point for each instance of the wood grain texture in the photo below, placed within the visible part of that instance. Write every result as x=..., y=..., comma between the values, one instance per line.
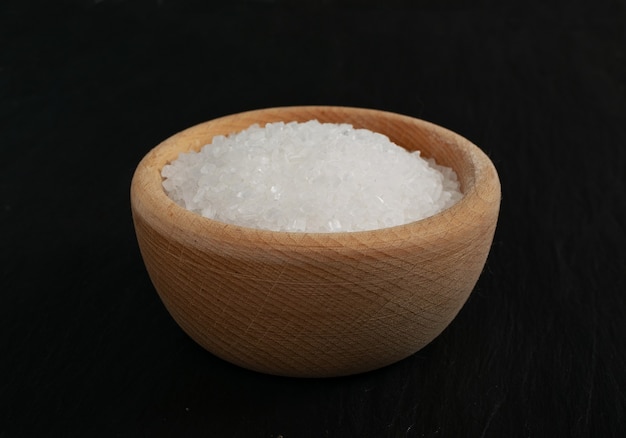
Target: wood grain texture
x=316, y=304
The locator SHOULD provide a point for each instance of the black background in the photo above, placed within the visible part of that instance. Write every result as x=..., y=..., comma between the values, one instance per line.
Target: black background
x=88, y=87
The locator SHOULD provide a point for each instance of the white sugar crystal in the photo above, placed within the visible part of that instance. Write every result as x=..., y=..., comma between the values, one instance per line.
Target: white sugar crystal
x=313, y=177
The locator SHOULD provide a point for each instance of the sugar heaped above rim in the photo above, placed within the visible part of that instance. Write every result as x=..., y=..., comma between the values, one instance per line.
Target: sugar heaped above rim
x=309, y=177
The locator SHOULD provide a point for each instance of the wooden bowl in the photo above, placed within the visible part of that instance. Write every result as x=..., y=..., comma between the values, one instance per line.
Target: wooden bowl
x=317, y=304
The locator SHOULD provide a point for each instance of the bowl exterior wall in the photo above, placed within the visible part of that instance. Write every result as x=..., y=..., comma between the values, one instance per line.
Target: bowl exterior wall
x=319, y=313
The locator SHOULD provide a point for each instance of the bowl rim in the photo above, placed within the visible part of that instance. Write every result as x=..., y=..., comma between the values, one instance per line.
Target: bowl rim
x=150, y=201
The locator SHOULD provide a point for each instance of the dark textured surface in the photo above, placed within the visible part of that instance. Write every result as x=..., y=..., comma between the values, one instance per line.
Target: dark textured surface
x=87, y=88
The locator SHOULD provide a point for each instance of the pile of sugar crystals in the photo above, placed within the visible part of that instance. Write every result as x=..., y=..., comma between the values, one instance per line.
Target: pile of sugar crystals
x=309, y=177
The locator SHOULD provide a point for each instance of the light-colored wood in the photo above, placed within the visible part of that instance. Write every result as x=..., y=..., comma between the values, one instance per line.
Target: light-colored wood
x=315, y=304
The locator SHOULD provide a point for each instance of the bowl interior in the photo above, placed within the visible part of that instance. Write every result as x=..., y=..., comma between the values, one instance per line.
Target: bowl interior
x=446, y=147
